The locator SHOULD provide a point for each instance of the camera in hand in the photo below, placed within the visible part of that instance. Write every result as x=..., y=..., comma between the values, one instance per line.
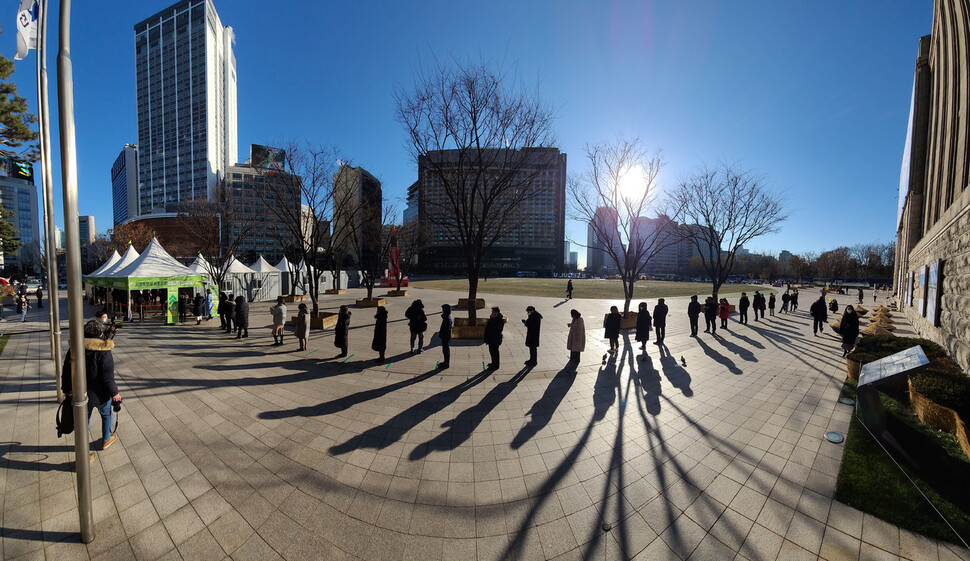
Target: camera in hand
x=116, y=405
x=111, y=327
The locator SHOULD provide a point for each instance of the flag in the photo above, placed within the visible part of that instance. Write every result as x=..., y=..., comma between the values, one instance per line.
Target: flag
x=27, y=27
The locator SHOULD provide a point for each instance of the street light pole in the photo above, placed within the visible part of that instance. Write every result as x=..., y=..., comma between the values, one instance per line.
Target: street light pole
x=75, y=298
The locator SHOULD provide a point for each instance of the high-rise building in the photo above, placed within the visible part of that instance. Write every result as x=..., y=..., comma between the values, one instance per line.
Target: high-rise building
x=186, y=102
x=18, y=194
x=598, y=260
x=86, y=234
x=124, y=184
x=534, y=244
x=357, y=213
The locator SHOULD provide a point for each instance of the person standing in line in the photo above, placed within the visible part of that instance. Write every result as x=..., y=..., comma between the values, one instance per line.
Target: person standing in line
x=785, y=299
x=576, y=340
x=444, y=333
x=611, y=327
x=660, y=321
x=743, y=304
x=693, y=312
x=40, y=298
x=417, y=324
x=569, y=289
x=771, y=304
x=379, y=343
x=794, y=299
x=302, y=326
x=532, y=324
x=230, y=313
x=819, y=315
x=100, y=374
x=644, y=326
x=710, y=315
x=493, y=336
x=341, y=331
x=242, y=317
x=140, y=303
x=198, y=308
x=861, y=294
x=760, y=305
x=183, y=308
x=849, y=328
x=723, y=311
x=221, y=310
x=279, y=319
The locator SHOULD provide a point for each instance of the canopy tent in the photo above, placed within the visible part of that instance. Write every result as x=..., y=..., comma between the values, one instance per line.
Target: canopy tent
x=112, y=259
x=154, y=269
x=267, y=282
x=127, y=259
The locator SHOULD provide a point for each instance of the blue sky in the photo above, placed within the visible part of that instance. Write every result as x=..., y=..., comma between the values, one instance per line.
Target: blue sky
x=812, y=95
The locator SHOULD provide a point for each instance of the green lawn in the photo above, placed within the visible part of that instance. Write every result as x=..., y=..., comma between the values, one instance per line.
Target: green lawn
x=590, y=288
x=870, y=481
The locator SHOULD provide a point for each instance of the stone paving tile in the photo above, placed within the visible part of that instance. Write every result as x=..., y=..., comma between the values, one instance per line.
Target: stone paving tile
x=257, y=452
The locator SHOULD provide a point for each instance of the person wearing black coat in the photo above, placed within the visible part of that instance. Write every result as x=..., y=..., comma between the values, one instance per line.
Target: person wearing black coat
x=771, y=304
x=444, y=333
x=660, y=321
x=140, y=302
x=100, y=375
x=198, y=308
x=183, y=307
x=40, y=297
x=743, y=304
x=493, y=336
x=242, y=317
x=611, y=327
x=849, y=328
x=710, y=315
x=417, y=323
x=759, y=305
x=221, y=309
x=693, y=312
x=643, y=325
x=379, y=342
x=532, y=324
x=341, y=331
x=819, y=315
x=230, y=313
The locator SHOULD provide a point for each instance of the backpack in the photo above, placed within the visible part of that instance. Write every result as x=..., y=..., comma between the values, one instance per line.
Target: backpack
x=65, y=417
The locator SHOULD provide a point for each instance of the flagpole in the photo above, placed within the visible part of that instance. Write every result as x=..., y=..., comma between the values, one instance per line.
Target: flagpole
x=75, y=299
x=53, y=299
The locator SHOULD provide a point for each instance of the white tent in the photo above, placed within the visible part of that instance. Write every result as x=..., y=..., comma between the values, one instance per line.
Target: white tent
x=269, y=280
x=154, y=262
x=240, y=280
x=201, y=267
x=114, y=258
x=127, y=259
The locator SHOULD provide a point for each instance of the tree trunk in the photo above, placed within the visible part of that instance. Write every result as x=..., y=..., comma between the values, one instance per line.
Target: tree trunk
x=717, y=287
x=370, y=289
x=472, y=296
x=627, y=295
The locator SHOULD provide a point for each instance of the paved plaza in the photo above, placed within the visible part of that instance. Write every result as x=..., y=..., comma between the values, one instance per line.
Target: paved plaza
x=707, y=448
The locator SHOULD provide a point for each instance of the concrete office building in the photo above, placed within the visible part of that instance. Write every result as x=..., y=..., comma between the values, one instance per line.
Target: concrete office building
x=186, y=102
x=124, y=184
x=598, y=260
x=18, y=194
x=932, y=273
x=358, y=201
x=538, y=229
x=87, y=233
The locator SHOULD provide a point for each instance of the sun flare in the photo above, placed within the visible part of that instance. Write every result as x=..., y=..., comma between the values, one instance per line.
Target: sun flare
x=632, y=183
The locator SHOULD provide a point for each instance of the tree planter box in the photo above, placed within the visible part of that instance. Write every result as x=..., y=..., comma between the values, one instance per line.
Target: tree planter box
x=370, y=302
x=394, y=293
x=464, y=330
x=335, y=291
x=463, y=303
x=294, y=297
x=939, y=417
x=322, y=320
x=627, y=322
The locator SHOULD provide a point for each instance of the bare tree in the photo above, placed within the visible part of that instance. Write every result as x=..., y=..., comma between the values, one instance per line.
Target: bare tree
x=803, y=265
x=118, y=238
x=721, y=209
x=372, y=236
x=617, y=198
x=219, y=226
x=472, y=133
x=408, y=240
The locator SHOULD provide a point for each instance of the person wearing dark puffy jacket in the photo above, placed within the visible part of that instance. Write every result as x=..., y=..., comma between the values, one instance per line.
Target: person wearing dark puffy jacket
x=417, y=324
x=242, y=317
x=100, y=376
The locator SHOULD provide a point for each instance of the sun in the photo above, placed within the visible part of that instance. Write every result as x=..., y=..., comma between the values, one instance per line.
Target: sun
x=632, y=184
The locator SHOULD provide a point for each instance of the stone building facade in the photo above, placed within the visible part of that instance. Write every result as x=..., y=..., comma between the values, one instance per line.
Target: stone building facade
x=932, y=277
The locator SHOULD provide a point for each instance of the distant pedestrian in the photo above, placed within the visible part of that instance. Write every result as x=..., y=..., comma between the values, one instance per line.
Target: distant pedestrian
x=849, y=329
x=417, y=324
x=569, y=289
x=771, y=304
x=183, y=308
x=644, y=325
x=861, y=295
x=875, y=294
x=819, y=315
x=379, y=342
x=834, y=305
x=710, y=315
x=660, y=321
x=493, y=336
x=794, y=299
x=693, y=312
x=198, y=308
x=279, y=319
x=342, y=331
x=140, y=304
x=611, y=327
x=576, y=340
x=40, y=298
x=743, y=304
x=444, y=333
x=723, y=311
x=22, y=306
x=532, y=325
x=302, y=326
x=242, y=317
